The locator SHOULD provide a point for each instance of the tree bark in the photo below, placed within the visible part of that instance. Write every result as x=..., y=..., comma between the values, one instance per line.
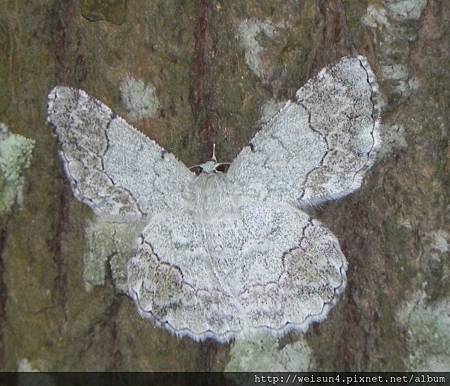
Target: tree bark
x=213, y=76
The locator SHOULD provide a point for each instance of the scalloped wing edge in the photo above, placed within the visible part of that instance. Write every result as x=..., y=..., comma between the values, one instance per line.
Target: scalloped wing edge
x=253, y=331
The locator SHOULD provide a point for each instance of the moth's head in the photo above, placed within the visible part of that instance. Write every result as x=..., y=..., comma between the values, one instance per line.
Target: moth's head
x=211, y=166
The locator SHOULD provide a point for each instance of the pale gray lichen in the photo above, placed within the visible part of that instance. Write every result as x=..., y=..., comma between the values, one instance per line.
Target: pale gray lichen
x=249, y=32
x=393, y=138
x=396, y=22
x=436, y=257
x=440, y=241
x=27, y=379
x=15, y=157
x=265, y=354
x=379, y=15
x=405, y=9
x=375, y=17
x=428, y=327
x=426, y=317
x=395, y=72
x=24, y=365
x=109, y=248
x=226, y=255
x=400, y=78
x=139, y=99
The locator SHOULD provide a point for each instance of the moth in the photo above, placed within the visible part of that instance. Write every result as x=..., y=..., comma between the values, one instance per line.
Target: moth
x=227, y=255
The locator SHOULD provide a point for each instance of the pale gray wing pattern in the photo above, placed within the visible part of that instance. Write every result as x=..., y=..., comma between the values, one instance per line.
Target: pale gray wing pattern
x=112, y=167
x=226, y=267
x=319, y=145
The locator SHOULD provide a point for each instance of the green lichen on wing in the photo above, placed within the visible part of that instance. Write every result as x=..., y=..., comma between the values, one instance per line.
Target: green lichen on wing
x=15, y=157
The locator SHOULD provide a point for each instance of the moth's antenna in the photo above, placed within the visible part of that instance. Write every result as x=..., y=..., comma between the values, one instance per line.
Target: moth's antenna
x=214, y=153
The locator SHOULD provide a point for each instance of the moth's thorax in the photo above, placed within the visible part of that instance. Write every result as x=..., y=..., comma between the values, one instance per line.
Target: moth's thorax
x=209, y=167
x=212, y=193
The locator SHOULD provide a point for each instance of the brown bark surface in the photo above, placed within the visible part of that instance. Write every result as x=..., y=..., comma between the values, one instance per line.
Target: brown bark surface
x=212, y=76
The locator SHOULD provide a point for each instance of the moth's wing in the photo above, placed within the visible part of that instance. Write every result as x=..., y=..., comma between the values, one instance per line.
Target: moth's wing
x=311, y=277
x=319, y=145
x=255, y=266
x=112, y=167
x=173, y=279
